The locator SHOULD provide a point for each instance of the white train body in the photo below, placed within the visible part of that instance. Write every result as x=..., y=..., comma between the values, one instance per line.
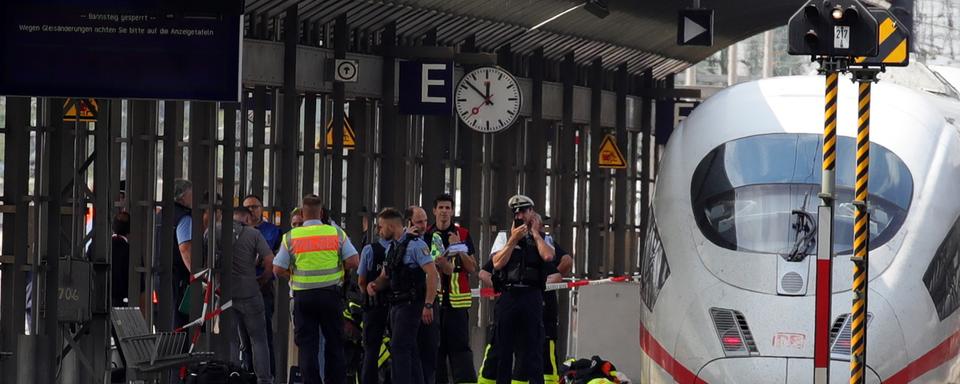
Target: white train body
x=721, y=303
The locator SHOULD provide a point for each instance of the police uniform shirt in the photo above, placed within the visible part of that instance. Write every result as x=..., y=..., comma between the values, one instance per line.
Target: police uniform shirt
x=184, y=229
x=548, y=269
x=366, y=257
x=346, y=248
x=418, y=253
x=501, y=241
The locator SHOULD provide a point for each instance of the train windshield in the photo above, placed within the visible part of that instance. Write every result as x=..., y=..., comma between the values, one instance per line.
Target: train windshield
x=749, y=194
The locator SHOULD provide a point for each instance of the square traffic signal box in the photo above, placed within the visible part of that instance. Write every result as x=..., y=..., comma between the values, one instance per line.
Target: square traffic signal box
x=834, y=28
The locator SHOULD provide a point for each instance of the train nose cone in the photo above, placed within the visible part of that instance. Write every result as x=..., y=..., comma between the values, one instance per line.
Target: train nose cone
x=772, y=370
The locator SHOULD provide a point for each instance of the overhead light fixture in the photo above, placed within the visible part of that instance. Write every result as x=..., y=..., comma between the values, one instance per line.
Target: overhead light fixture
x=556, y=16
x=597, y=7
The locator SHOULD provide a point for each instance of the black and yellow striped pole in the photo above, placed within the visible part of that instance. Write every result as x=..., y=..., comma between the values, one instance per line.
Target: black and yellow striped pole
x=861, y=230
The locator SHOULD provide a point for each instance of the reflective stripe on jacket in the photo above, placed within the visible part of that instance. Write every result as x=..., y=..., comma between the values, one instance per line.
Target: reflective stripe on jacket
x=315, y=251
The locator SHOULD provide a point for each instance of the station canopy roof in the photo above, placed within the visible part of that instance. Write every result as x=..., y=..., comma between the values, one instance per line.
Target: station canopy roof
x=641, y=33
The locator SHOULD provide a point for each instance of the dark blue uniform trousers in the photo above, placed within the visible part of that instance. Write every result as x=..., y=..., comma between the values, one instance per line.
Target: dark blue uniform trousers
x=374, y=326
x=317, y=310
x=405, y=365
x=519, y=318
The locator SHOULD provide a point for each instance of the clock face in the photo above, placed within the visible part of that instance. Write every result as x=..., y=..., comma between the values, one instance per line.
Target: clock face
x=488, y=99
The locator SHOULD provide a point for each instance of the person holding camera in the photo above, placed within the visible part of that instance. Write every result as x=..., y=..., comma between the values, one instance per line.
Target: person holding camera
x=519, y=258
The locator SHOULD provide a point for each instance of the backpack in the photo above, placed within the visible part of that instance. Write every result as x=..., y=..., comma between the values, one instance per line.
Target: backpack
x=593, y=371
x=218, y=372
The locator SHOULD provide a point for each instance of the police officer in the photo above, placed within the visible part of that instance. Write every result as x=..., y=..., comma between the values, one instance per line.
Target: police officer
x=315, y=256
x=375, y=309
x=411, y=277
x=520, y=257
x=453, y=250
x=488, y=368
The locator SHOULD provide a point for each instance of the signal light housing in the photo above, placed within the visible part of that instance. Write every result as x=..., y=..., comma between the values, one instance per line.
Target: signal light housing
x=833, y=28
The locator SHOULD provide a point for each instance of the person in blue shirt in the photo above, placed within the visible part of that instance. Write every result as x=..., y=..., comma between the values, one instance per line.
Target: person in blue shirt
x=375, y=309
x=411, y=279
x=183, y=203
x=271, y=233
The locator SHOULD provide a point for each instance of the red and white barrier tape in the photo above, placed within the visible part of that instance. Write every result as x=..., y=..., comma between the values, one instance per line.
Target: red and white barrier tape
x=489, y=292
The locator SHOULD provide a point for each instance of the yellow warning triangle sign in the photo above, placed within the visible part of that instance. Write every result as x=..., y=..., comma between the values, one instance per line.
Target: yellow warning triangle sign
x=349, y=137
x=610, y=156
x=82, y=110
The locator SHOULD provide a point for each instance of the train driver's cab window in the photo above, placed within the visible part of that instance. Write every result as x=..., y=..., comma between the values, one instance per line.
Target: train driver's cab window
x=760, y=194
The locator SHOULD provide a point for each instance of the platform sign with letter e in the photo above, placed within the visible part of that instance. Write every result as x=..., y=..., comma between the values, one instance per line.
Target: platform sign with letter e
x=610, y=156
x=426, y=88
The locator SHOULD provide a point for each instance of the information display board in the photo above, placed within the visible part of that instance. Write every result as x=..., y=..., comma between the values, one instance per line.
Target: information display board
x=146, y=49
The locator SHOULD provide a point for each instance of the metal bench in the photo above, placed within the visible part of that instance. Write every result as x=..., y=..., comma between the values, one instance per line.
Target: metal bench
x=145, y=351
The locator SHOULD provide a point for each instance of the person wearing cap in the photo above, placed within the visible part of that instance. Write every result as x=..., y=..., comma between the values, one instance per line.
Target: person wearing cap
x=315, y=257
x=519, y=258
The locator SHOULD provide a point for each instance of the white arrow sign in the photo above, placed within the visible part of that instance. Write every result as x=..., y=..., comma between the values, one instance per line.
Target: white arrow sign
x=691, y=29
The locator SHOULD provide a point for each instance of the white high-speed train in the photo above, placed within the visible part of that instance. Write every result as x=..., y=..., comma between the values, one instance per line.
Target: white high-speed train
x=728, y=290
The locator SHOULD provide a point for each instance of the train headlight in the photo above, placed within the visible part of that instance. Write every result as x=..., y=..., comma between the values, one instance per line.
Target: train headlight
x=733, y=331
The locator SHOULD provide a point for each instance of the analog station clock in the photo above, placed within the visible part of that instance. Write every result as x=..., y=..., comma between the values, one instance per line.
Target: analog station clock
x=488, y=99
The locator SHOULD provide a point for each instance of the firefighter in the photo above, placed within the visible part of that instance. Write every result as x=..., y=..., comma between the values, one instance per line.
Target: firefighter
x=453, y=250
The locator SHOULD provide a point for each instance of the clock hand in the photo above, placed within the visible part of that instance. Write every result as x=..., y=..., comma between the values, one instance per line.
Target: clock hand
x=486, y=99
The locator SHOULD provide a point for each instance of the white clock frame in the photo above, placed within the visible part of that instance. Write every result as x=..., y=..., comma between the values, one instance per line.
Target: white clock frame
x=488, y=99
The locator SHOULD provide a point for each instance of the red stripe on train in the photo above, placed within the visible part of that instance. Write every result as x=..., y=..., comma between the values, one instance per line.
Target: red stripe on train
x=947, y=350
x=660, y=355
x=940, y=354
x=821, y=355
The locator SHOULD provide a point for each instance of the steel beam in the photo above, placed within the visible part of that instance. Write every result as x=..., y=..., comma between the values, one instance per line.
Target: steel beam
x=536, y=148
x=565, y=158
x=59, y=154
x=646, y=129
x=505, y=145
x=391, y=168
x=259, y=134
x=622, y=203
x=16, y=176
x=172, y=126
x=309, y=143
x=357, y=170
x=341, y=36
x=598, y=189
